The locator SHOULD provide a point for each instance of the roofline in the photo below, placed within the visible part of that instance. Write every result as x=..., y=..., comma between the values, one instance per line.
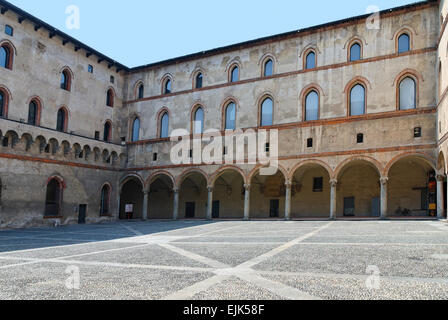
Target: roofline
x=251, y=43
x=23, y=15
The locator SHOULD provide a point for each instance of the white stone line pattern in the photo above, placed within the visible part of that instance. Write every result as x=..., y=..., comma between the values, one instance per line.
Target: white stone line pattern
x=193, y=256
x=188, y=292
x=137, y=233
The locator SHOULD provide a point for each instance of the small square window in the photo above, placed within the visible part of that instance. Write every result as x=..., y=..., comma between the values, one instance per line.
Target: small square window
x=9, y=30
x=417, y=132
x=154, y=157
x=90, y=68
x=112, y=79
x=97, y=135
x=309, y=143
x=318, y=184
x=360, y=138
x=267, y=147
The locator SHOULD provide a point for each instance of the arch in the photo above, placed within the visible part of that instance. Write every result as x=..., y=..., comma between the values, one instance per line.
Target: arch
x=181, y=178
x=34, y=115
x=107, y=132
x=234, y=72
x=27, y=140
x=321, y=163
x=105, y=197
x=410, y=32
x=349, y=45
x=349, y=89
x=4, y=104
x=371, y=161
x=137, y=91
x=86, y=150
x=7, y=54
x=215, y=176
x=310, y=59
x=261, y=104
x=62, y=119
x=55, y=186
x=53, y=146
x=197, y=78
x=268, y=64
x=414, y=75
x=131, y=176
x=154, y=176
x=304, y=94
x=160, y=118
x=430, y=160
x=441, y=164
x=224, y=106
x=256, y=170
x=131, y=193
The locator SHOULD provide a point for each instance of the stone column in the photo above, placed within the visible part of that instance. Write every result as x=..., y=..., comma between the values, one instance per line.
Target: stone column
x=209, y=203
x=333, y=186
x=176, y=204
x=145, y=204
x=383, y=210
x=440, y=200
x=246, y=201
x=288, y=201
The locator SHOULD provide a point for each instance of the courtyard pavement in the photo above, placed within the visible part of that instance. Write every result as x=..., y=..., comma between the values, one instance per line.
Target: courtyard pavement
x=198, y=260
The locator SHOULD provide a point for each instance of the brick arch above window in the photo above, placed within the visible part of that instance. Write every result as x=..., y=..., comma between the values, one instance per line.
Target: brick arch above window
x=224, y=105
x=194, y=77
x=137, y=89
x=353, y=41
x=12, y=52
x=414, y=75
x=261, y=100
x=405, y=30
x=110, y=97
x=348, y=90
x=230, y=67
x=7, y=98
x=167, y=77
x=39, y=103
x=69, y=77
x=264, y=60
x=194, y=108
x=159, y=117
x=304, y=94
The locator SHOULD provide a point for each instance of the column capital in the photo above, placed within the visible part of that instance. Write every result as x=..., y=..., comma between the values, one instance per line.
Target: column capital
x=440, y=178
x=145, y=192
x=210, y=188
x=384, y=180
x=176, y=190
x=247, y=187
x=288, y=184
x=333, y=182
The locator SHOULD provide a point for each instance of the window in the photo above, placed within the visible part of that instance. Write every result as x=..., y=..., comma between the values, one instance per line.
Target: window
x=110, y=98
x=9, y=30
x=2, y=104
x=154, y=156
x=235, y=74
x=198, y=121
x=97, y=135
x=105, y=200
x=230, y=123
x=90, y=68
x=61, y=120
x=32, y=113
x=53, y=201
x=417, y=132
x=318, y=184
x=407, y=94
x=107, y=131
x=167, y=87
x=310, y=60
x=312, y=106
x=404, y=43
x=5, y=57
x=136, y=130
x=112, y=79
x=357, y=100
x=355, y=52
x=267, y=111
x=268, y=68
x=65, y=80
x=141, y=91
x=309, y=143
x=198, y=84
x=360, y=138
x=164, y=125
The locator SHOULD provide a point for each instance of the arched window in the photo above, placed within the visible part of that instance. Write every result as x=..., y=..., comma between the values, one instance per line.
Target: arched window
x=310, y=60
x=105, y=200
x=198, y=124
x=235, y=74
x=110, y=98
x=355, y=52
x=65, y=80
x=198, y=80
x=230, y=123
x=165, y=125
x=33, y=112
x=61, y=125
x=2, y=104
x=5, y=57
x=268, y=68
x=357, y=100
x=167, y=87
x=141, y=91
x=136, y=130
x=53, y=201
x=312, y=106
x=404, y=43
x=267, y=112
x=408, y=94
x=107, y=131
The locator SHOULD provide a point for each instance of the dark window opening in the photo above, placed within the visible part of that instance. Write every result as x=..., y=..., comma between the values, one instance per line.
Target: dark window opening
x=97, y=135
x=318, y=184
x=267, y=147
x=417, y=132
x=199, y=81
x=360, y=138
x=90, y=68
x=309, y=143
x=141, y=91
x=112, y=79
x=154, y=157
x=32, y=113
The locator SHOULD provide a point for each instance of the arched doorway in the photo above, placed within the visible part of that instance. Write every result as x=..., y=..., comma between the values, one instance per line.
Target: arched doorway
x=193, y=196
x=412, y=188
x=267, y=196
x=53, y=199
x=310, y=192
x=131, y=199
x=161, y=197
x=228, y=195
x=359, y=190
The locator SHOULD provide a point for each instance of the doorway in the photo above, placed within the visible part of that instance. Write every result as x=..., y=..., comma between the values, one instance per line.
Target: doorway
x=274, y=208
x=82, y=214
x=189, y=210
x=215, y=210
x=349, y=207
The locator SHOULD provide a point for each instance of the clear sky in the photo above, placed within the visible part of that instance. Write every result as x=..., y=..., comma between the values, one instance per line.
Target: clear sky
x=138, y=32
